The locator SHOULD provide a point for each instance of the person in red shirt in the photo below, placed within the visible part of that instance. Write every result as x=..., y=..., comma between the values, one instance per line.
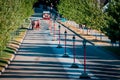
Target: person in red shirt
x=37, y=25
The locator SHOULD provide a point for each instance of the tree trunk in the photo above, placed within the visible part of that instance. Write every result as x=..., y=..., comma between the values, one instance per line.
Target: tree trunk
x=119, y=43
x=83, y=30
x=87, y=31
x=100, y=36
x=95, y=35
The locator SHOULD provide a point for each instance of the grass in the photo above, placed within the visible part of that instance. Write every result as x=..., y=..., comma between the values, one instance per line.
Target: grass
x=6, y=55
x=2, y=64
x=9, y=50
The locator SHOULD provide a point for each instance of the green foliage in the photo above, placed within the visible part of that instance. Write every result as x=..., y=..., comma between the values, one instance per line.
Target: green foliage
x=85, y=12
x=89, y=12
x=12, y=14
x=113, y=29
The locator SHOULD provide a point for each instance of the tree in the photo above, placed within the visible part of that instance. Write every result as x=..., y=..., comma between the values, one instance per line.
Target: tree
x=85, y=12
x=12, y=14
x=113, y=29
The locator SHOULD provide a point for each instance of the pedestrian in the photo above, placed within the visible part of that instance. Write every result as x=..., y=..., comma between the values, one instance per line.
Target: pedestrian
x=37, y=25
x=33, y=24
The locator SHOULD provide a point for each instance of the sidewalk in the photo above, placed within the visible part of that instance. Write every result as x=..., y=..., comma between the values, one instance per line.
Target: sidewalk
x=39, y=59
x=93, y=35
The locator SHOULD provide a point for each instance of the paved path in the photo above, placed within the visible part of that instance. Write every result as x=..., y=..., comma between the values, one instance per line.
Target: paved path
x=101, y=64
x=35, y=60
x=39, y=59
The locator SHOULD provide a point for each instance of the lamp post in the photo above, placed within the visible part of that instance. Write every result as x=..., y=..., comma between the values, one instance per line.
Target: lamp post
x=65, y=52
x=74, y=52
x=74, y=65
x=84, y=74
x=50, y=26
x=54, y=33
x=59, y=45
